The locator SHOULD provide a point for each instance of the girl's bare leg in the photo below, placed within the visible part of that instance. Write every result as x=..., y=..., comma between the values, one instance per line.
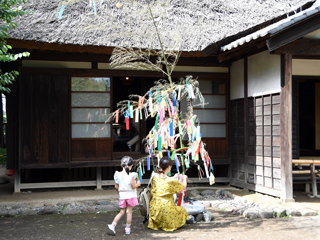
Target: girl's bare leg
x=129, y=215
x=120, y=215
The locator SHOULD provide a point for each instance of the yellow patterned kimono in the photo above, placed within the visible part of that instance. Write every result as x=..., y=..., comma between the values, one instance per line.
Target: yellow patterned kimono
x=163, y=212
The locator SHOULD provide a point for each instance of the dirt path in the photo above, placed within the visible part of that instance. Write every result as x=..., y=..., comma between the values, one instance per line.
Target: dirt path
x=92, y=226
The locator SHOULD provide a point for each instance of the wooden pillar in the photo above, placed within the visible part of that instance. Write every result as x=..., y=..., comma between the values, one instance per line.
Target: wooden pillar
x=246, y=118
x=17, y=180
x=313, y=180
x=286, y=128
x=99, y=179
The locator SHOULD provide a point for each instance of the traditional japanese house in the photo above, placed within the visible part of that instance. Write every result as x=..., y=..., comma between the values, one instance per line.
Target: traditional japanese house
x=247, y=62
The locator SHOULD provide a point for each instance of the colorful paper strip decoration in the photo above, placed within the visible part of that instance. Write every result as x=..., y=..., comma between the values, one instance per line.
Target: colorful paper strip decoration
x=177, y=164
x=148, y=163
x=61, y=11
x=94, y=7
x=140, y=177
x=117, y=116
x=127, y=123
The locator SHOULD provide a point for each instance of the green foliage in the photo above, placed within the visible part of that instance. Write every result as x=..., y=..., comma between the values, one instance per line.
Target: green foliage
x=8, y=11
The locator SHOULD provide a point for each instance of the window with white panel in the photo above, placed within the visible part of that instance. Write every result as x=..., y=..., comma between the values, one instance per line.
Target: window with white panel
x=213, y=117
x=90, y=106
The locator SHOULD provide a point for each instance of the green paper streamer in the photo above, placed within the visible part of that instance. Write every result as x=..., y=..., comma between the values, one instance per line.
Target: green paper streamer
x=169, y=173
x=154, y=169
x=140, y=169
x=173, y=153
x=156, y=124
x=140, y=115
x=129, y=107
x=158, y=95
x=159, y=144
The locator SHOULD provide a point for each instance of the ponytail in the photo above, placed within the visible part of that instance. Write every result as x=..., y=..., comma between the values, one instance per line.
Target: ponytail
x=127, y=169
x=160, y=170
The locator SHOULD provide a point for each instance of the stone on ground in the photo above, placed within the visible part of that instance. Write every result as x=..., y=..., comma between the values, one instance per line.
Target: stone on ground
x=293, y=212
x=208, y=192
x=266, y=213
x=309, y=212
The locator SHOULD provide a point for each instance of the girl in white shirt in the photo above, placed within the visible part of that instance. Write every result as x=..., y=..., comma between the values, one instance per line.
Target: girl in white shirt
x=126, y=184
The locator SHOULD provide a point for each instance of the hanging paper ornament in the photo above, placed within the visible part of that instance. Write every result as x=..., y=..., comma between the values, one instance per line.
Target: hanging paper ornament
x=177, y=160
x=186, y=161
x=61, y=11
x=159, y=144
x=127, y=123
x=150, y=103
x=140, y=177
x=131, y=111
x=179, y=93
x=94, y=7
x=211, y=178
x=140, y=168
x=161, y=116
x=157, y=120
x=206, y=169
x=148, y=163
x=177, y=165
x=171, y=129
x=140, y=104
x=199, y=171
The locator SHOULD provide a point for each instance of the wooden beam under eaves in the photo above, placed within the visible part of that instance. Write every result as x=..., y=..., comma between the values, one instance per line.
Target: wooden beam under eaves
x=294, y=32
x=301, y=47
x=248, y=49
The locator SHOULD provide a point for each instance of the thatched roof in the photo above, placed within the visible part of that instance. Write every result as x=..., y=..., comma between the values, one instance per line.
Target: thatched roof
x=194, y=24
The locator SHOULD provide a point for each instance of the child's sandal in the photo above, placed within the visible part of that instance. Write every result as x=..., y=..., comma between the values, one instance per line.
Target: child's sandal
x=127, y=230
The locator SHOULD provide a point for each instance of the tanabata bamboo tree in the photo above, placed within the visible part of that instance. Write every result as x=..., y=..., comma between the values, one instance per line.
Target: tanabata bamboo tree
x=162, y=100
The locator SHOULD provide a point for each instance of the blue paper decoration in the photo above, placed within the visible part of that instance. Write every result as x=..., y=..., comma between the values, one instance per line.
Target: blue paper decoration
x=61, y=11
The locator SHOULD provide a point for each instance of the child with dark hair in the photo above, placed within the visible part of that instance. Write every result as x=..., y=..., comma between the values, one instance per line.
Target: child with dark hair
x=163, y=212
x=126, y=184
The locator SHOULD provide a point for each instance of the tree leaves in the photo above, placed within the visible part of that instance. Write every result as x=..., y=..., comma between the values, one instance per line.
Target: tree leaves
x=7, y=13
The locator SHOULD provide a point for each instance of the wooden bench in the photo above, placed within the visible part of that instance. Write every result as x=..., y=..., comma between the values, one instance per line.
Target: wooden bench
x=313, y=172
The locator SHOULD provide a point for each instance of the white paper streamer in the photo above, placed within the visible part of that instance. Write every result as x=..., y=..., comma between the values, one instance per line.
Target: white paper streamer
x=206, y=169
x=179, y=93
x=131, y=111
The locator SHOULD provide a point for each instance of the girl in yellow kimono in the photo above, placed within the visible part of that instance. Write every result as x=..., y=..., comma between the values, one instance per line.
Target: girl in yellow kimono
x=163, y=212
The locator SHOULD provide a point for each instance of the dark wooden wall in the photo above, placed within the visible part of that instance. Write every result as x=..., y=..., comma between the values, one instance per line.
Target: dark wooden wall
x=266, y=159
x=236, y=136
x=12, y=134
x=91, y=150
x=44, y=120
x=260, y=169
x=217, y=147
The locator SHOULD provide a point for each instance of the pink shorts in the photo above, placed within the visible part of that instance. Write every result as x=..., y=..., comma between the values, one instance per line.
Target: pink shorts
x=131, y=202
